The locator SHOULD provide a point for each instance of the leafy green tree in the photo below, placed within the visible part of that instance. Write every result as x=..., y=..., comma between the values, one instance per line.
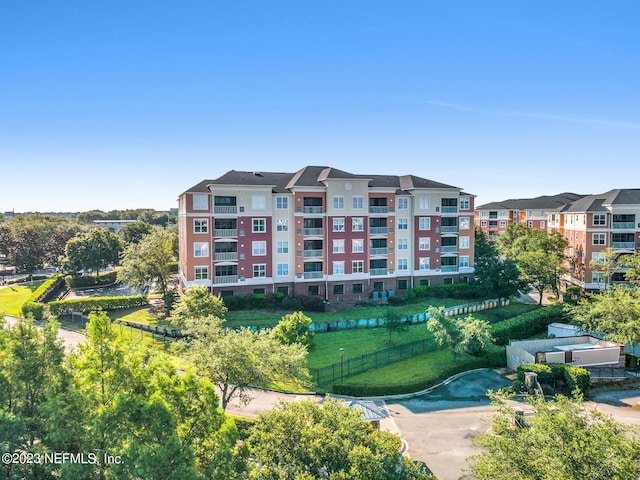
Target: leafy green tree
x=148, y=262
x=394, y=322
x=632, y=263
x=304, y=440
x=133, y=232
x=54, y=247
x=562, y=441
x=235, y=360
x=446, y=331
x=27, y=252
x=294, y=328
x=93, y=250
x=197, y=302
x=469, y=335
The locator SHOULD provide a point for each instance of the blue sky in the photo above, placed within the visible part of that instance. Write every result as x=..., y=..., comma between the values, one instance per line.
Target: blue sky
x=115, y=105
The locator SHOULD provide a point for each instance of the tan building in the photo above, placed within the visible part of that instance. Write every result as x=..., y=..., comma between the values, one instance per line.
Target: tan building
x=322, y=231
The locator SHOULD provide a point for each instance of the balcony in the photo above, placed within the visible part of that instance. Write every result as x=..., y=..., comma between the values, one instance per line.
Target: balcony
x=373, y=209
x=623, y=225
x=225, y=209
x=222, y=256
x=377, y=230
x=225, y=232
x=311, y=275
x=308, y=209
x=627, y=245
x=313, y=253
x=449, y=249
x=313, y=231
x=449, y=210
x=225, y=279
x=449, y=229
x=378, y=271
x=449, y=268
x=378, y=251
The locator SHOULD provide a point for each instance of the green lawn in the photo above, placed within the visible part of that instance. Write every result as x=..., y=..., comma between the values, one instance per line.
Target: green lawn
x=13, y=297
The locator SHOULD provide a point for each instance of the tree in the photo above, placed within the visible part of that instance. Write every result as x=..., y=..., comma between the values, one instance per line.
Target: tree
x=92, y=250
x=562, y=440
x=304, y=440
x=197, y=302
x=469, y=335
x=27, y=253
x=148, y=262
x=294, y=328
x=235, y=360
x=445, y=329
x=394, y=322
x=134, y=232
x=615, y=312
x=632, y=263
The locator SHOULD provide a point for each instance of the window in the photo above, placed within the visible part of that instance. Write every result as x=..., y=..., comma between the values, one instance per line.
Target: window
x=200, y=225
x=464, y=223
x=282, y=269
x=424, y=263
x=338, y=246
x=338, y=224
x=599, y=238
x=313, y=290
x=542, y=224
x=424, y=243
x=338, y=202
x=464, y=260
x=357, y=224
x=338, y=268
x=597, y=277
x=282, y=247
x=598, y=257
x=259, y=270
x=358, y=288
x=503, y=223
x=282, y=203
x=358, y=203
x=530, y=224
x=424, y=223
x=282, y=224
x=464, y=242
x=483, y=223
x=338, y=289
x=464, y=203
x=425, y=203
x=357, y=245
x=403, y=264
x=201, y=273
x=599, y=219
x=259, y=225
x=403, y=284
x=200, y=202
x=357, y=266
x=403, y=244
x=201, y=249
x=484, y=213
x=403, y=224
x=258, y=202
x=403, y=203
x=259, y=248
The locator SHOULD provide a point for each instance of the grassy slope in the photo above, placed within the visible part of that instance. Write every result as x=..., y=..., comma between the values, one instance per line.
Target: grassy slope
x=14, y=296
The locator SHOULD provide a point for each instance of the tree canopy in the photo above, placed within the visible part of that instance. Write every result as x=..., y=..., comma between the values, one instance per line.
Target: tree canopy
x=93, y=250
x=197, y=302
x=294, y=328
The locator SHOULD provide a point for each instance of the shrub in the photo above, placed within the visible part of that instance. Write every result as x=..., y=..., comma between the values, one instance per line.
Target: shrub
x=527, y=324
x=81, y=281
x=572, y=294
x=277, y=298
x=259, y=300
x=235, y=302
x=577, y=378
x=545, y=374
x=87, y=305
x=395, y=301
x=495, y=356
x=303, y=303
x=33, y=306
x=574, y=377
x=34, y=310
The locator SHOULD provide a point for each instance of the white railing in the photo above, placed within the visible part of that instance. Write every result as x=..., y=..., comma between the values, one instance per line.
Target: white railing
x=225, y=232
x=225, y=279
x=377, y=230
x=312, y=209
x=313, y=253
x=378, y=271
x=313, y=231
x=313, y=275
x=225, y=209
x=226, y=255
x=377, y=251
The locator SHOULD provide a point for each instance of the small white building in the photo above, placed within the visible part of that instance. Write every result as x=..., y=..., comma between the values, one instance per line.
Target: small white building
x=582, y=350
x=113, y=225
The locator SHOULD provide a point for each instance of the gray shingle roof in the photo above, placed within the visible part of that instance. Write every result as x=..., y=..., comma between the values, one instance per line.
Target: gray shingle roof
x=544, y=202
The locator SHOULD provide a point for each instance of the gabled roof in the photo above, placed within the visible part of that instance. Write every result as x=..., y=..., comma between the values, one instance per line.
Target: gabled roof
x=622, y=196
x=370, y=410
x=544, y=202
x=411, y=182
x=591, y=203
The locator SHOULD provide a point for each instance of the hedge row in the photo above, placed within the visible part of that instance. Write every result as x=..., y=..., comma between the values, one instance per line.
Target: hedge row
x=90, y=280
x=527, y=324
x=574, y=377
x=33, y=306
x=87, y=305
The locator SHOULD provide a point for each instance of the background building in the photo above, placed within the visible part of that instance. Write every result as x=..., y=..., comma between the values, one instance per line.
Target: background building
x=323, y=231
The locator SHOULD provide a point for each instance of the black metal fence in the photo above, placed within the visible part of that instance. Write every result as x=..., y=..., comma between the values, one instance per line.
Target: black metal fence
x=353, y=366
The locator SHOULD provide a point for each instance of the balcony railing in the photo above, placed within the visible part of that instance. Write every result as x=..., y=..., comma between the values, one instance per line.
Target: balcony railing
x=449, y=210
x=225, y=209
x=226, y=255
x=449, y=229
x=313, y=253
x=377, y=230
x=309, y=275
x=225, y=232
x=313, y=231
x=378, y=251
x=225, y=279
x=312, y=209
x=378, y=209
x=623, y=244
x=378, y=271
x=449, y=249
x=624, y=225
x=449, y=268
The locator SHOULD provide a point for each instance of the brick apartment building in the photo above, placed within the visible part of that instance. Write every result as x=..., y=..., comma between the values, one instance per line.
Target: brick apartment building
x=322, y=231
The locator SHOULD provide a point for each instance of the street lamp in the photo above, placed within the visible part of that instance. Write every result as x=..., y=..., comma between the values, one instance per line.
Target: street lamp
x=341, y=363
